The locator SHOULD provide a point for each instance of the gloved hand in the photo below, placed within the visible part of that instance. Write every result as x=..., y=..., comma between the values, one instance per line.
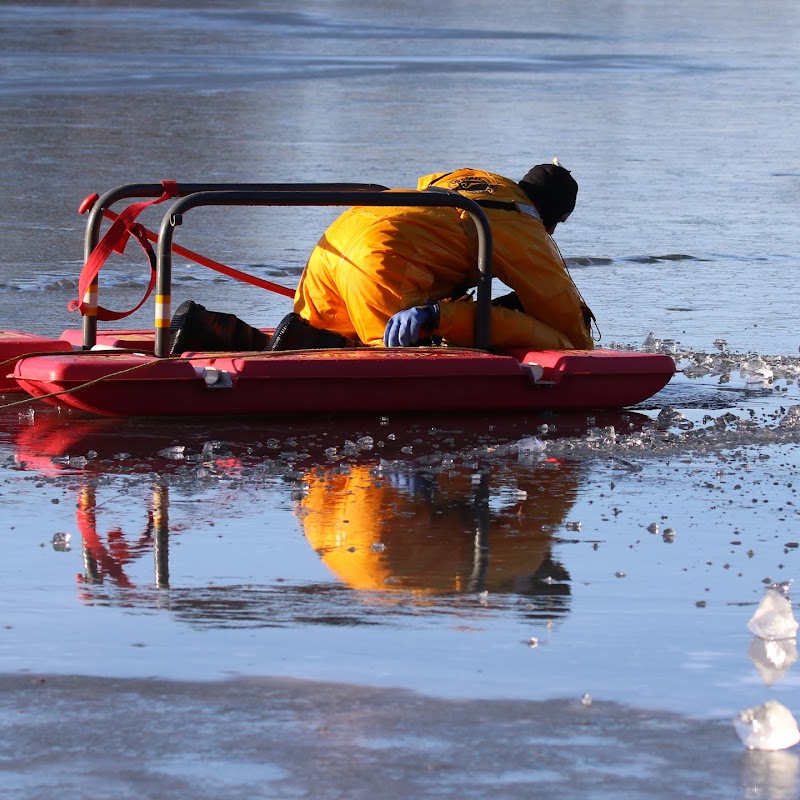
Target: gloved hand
x=403, y=328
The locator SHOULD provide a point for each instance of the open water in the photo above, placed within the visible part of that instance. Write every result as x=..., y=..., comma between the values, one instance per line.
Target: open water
x=383, y=607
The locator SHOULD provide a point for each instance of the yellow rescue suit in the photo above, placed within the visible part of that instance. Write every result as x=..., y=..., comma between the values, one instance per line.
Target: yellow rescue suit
x=373, y=262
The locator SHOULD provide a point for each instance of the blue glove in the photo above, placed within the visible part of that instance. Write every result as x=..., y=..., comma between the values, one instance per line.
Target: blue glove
x=404, y=328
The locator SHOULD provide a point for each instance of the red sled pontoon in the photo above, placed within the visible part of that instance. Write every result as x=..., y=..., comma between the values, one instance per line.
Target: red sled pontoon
x=133, y=375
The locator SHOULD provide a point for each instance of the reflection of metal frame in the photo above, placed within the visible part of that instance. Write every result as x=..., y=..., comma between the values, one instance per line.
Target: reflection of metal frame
x=481, y=553
x=99, y=559
x=551, y=578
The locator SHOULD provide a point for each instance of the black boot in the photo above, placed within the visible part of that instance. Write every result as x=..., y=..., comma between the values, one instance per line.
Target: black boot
x=197, y=329
x=295, y=333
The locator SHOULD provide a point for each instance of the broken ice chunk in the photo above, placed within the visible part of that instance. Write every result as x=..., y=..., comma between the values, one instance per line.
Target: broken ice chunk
x=176, y=452
x=651, y=343
x=530, y=450
x=773, y=618
x=531, y=444
x=756, y=373
x=61, y=541
x=770, y=726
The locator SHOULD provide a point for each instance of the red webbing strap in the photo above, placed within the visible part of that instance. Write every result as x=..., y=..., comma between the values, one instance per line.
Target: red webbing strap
x=233, y=273
x=114, y=240
x=204, y=261
x=138, y=231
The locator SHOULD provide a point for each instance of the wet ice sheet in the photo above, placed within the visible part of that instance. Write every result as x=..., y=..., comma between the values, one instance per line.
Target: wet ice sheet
x=284, y=738
x=525, y=558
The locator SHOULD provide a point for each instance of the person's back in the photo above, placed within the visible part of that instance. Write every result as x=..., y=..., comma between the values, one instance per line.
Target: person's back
x=374, y=262
x=398, y=275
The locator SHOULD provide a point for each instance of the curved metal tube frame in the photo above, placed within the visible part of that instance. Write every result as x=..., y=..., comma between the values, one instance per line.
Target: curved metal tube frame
x=144, y=190
x=174, y=217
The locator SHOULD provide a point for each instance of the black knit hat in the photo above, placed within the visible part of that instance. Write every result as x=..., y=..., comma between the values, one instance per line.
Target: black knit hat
x=552, y=189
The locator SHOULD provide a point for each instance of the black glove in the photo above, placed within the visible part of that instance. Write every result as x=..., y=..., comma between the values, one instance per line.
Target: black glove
x=509, y=301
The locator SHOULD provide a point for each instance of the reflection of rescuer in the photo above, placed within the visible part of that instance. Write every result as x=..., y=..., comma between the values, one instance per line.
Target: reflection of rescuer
x=393, y=276
x=436, y=535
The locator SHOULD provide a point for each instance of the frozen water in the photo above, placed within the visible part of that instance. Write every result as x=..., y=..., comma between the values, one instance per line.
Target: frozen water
x=668, y=417
x=770, y=726
x=791, y=420
x=530, y=450
x=773, y=619
x=650, y=343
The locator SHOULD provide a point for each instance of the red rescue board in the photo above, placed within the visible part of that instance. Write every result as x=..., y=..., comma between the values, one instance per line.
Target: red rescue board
x=350, y=381
x=14, y=344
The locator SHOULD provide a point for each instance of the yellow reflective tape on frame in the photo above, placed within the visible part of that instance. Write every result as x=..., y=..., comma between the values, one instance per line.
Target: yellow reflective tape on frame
x=163, y=310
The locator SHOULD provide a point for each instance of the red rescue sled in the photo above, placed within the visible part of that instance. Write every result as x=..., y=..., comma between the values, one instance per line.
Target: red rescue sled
x=349, y=381
x=138, y=378
x=14, y=344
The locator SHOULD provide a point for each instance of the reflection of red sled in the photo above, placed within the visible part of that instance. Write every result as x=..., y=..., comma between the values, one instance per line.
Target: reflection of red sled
x=140, y=380
x=52, y=441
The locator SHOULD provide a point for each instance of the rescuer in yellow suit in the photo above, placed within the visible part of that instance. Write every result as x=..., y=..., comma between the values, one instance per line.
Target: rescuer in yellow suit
x=399, y=275
x=372, y=263
x=438, y=534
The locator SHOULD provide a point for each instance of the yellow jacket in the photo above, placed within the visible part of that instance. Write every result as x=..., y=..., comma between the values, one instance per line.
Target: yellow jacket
x=374, y=262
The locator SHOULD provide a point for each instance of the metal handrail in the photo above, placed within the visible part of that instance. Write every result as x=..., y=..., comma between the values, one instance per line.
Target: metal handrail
x=314, y=196
x=144, y=190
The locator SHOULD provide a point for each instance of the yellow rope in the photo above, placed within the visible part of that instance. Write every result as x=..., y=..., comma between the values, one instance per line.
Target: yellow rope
x=19, y=357
x=110, y=375
x=28, y=400
x=118, y=373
